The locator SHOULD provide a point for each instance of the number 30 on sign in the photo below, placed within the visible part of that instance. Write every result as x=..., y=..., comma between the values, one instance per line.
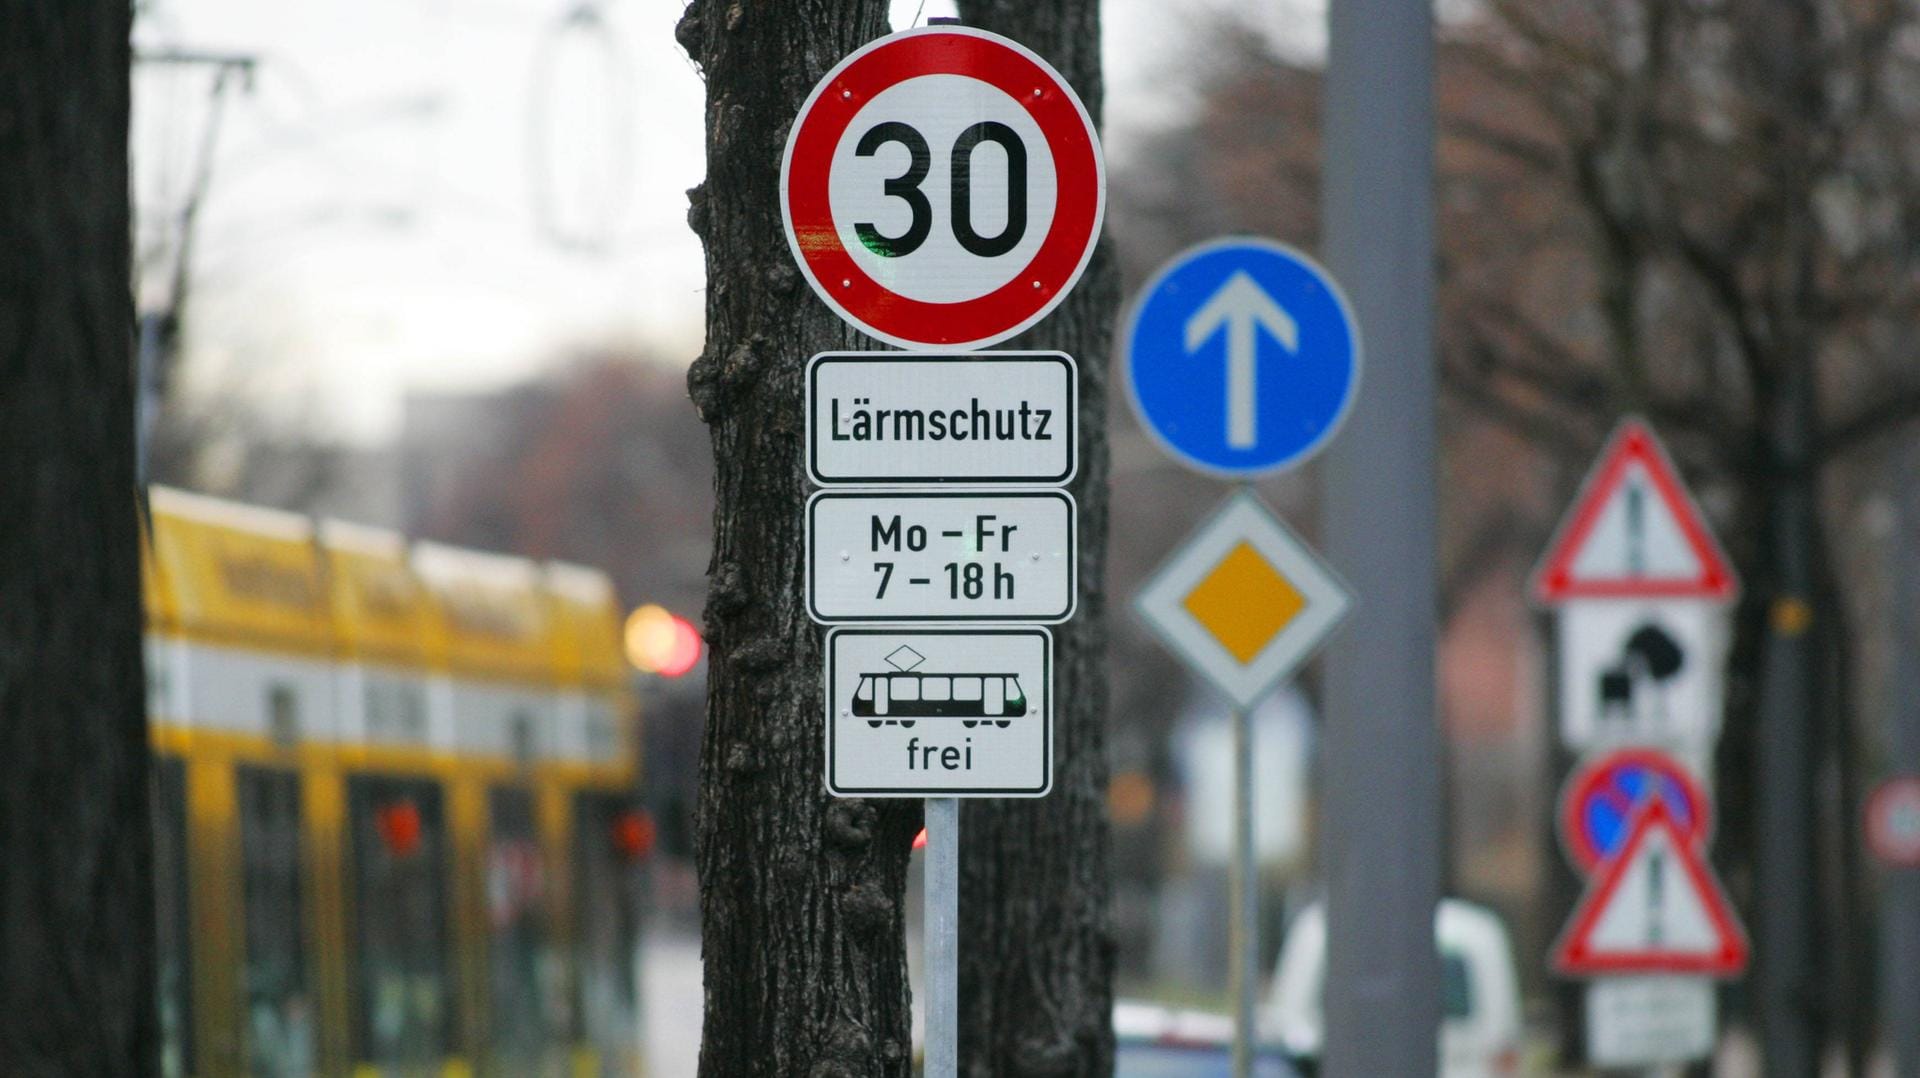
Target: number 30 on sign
x=942, y=187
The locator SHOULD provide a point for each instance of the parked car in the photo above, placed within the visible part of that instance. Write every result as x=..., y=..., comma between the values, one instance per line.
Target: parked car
x=1480, y=1027
x=1152, y=1041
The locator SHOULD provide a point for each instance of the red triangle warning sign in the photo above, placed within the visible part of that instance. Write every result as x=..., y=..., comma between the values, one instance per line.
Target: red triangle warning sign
x=1655, y=907
x=1634, y=532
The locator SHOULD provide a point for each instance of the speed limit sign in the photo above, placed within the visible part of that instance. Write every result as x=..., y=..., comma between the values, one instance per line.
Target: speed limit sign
x=942, y=187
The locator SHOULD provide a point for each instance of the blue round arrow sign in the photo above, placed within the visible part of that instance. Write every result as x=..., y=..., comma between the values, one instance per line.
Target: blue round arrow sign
x=1242, y=357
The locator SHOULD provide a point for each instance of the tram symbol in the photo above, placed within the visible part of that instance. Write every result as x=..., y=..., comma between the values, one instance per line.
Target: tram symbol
x=903, y=696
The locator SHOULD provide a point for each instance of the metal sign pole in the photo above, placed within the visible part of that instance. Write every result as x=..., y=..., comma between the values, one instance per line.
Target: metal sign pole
x=1244, y=935
x=943, y=937
x=1382, y=802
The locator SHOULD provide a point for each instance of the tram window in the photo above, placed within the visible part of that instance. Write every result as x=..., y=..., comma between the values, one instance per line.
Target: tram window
x=413, y=712
x=403, y=1007
x=280, y=1012
x=936, y=688
x=1013, y=689
x=966, y=688
x=607, y=892
x=520, y=729
x=906, y=687
x=174, y=927
x=865, y=691
x=603, y=736
x=156, y=666
x=396, y=710
x=283, y=716
x=522, y=967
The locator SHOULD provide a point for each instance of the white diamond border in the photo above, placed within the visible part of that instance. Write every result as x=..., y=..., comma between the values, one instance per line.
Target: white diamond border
x=1243, y=517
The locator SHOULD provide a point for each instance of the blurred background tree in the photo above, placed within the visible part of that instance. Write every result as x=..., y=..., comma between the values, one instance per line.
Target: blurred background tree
x=1701, y=212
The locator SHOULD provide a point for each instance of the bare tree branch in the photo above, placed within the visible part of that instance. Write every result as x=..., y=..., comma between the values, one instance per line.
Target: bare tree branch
x=1538, y=156
x=1496, y=536
x=1537, y=425
x=1882, y=415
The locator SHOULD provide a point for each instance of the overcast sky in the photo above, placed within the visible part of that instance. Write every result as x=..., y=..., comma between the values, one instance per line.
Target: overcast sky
x=451, y=193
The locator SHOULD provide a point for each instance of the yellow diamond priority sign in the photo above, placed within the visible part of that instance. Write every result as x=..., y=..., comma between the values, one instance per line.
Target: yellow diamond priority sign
x=1243, y=600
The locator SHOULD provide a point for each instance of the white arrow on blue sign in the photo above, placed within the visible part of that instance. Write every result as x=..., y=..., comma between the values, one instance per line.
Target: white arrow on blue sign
x=1242, y=357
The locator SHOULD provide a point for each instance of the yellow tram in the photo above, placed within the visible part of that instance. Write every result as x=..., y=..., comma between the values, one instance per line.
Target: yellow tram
x=397, y=830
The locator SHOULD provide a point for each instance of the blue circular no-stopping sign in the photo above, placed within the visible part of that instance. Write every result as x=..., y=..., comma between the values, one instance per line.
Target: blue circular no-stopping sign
x=1242, y=357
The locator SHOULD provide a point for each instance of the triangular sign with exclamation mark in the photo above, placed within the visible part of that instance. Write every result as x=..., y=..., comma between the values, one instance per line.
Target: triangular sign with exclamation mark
x=1634, y=532
x=1655, y=907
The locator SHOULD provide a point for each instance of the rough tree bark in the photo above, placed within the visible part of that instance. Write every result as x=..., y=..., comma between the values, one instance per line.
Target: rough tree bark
x=76, y=899
x=1036, y=978
x=800, y=895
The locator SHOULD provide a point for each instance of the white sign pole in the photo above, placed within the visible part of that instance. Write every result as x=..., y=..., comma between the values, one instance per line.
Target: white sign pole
x=943, y=937
x=1244, y=933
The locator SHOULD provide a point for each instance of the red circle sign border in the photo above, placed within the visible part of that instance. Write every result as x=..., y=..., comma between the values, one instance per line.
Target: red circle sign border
x=1585, y=777
x=1078, y=211
x=1877, y=839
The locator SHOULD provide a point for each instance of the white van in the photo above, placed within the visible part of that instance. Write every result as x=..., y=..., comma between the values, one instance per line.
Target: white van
x=1480, y=1028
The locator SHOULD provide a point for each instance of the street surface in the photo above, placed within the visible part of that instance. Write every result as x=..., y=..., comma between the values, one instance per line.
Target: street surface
x=670, y=995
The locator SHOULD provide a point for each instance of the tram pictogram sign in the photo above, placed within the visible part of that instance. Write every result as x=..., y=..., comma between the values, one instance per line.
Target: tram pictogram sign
x=942, y=187
x=940, y=712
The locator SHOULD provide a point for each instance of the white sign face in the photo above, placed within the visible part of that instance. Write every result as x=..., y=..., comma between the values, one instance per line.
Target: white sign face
x=1649, y=1020
x=940, y=712
x=987, y=417
x=1641, y=672
x=940, y=555
x=1243, y=601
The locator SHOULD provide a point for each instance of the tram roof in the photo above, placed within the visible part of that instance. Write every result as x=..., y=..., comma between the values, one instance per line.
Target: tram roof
x=491, y=612
x=381, y=609
x=236, y=574
x=586, y=616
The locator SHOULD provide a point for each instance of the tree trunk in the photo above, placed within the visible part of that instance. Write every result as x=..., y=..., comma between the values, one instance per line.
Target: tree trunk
x=76, y=899
x=800, y=894
x=1036, y=967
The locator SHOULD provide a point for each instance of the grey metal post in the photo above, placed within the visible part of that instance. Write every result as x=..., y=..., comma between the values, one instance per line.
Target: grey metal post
x=1382, y=799
x=1243, y=958
x=1787, y=986
x=1900, y=913
x=943, y=937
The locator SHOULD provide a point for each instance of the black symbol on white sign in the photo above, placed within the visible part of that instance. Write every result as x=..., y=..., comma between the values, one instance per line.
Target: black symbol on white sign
x=901, y=697
x=1632, y=690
